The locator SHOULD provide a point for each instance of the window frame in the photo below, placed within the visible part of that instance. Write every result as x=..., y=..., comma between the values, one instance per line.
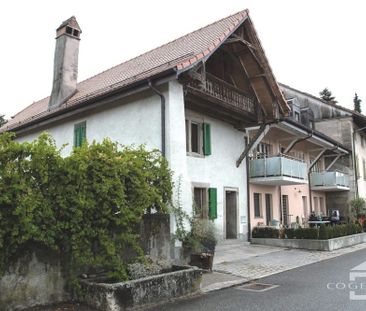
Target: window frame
x=260, y=215
x=78, y=126
x=188, y=127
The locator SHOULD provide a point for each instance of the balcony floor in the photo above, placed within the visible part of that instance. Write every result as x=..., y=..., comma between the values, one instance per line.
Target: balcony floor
x=277, y=181
x=335, y=188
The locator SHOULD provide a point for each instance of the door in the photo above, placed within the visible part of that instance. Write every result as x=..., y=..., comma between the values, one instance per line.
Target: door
x=285, y=209
x=268, y=208
x=305, y=207
x=231, y=215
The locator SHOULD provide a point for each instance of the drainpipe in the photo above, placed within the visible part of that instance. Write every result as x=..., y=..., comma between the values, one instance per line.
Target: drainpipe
x=248, y=201
x=162, y=99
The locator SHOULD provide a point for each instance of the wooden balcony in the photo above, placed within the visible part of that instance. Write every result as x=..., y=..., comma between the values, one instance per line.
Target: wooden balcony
x=216, y=94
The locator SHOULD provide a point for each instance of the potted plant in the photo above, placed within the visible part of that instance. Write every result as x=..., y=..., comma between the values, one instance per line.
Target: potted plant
x=203, y=241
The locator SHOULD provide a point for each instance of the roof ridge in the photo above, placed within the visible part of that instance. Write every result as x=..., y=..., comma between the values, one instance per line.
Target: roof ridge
x=160, y=46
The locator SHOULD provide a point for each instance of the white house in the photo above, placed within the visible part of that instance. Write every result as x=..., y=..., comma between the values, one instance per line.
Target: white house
x=192, y=98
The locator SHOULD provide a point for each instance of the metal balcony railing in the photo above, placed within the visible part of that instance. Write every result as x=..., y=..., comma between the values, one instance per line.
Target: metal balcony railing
x=278, y=166
x=329, y=179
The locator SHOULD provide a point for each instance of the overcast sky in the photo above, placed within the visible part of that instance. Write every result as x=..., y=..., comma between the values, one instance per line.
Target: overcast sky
x=310, y=44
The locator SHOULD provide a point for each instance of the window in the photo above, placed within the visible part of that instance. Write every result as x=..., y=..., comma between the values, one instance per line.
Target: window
x=257, y=205
x=79, y=134
x=322, y=206
x=205, y=202
x=200, y=202
x=198, y=138
x=297, y=116
x=263, y=150
x=285, y=215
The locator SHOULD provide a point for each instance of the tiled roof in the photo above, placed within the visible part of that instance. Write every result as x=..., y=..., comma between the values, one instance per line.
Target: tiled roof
x=179, y=55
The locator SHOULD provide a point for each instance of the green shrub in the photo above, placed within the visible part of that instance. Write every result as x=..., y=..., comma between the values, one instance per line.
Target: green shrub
x=265, y=232
x=290, y=233
x=324, y=232
x=306, y=233
x=85, y=206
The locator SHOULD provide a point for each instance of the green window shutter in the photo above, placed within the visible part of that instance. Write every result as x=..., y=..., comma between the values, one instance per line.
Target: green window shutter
x=212, y=203
x=79, y=134
x=357, y=168
x=206, y=139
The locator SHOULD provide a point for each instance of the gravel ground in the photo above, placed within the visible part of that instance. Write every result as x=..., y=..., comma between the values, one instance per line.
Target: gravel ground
x=63, y=307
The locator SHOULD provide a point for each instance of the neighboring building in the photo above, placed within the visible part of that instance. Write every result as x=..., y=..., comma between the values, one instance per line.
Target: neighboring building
x=346, y=127
x=281, y=174
x=198, y=99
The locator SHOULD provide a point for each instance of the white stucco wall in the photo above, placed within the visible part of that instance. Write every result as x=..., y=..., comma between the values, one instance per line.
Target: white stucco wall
x=219, y=170
x=136, y=121
x=360, y=151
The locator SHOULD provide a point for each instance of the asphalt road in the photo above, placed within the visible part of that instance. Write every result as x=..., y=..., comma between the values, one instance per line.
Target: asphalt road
x=320, y=286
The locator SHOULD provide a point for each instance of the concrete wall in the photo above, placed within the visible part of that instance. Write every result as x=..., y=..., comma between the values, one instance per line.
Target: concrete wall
x=320, y=245
x=360, y=151
x=34, y=279
x=219, y=170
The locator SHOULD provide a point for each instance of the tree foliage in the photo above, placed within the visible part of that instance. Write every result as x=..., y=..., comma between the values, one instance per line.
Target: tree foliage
x=357, y=103
x=326, y=95
x=85, y=206
x=3, y=121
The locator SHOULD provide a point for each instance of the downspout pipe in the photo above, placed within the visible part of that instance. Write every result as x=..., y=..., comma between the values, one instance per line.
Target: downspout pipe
x=163, y=129
x=248, y=201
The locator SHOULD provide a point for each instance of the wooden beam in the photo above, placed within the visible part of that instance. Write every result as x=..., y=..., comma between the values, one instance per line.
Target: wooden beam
x=240, y=39
x=263, y=130
x=333, y=162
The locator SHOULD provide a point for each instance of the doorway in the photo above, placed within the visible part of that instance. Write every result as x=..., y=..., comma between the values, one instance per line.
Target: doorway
x=231, y=214
x=268, y=208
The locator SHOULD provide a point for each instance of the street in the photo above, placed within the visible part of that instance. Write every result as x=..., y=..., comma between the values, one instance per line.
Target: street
x=320, y=286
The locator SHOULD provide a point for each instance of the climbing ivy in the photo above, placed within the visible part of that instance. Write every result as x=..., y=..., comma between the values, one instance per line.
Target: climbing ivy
x=86, y=206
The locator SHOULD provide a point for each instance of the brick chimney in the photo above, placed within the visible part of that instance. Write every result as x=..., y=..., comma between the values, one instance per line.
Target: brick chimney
x=65, y=70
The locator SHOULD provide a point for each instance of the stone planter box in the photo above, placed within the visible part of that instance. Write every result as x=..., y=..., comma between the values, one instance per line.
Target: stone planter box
x=145, y=291
x=320, y=245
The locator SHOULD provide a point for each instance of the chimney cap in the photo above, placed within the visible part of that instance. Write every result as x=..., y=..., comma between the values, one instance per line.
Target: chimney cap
x=71, y=22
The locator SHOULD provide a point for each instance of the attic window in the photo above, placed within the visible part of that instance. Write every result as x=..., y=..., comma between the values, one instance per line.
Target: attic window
x=69, y=30
x=76, y=33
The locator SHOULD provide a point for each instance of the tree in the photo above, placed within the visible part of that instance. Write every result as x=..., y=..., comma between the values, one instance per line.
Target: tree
x=357, y=103
x=327, y=96
x=2, y=120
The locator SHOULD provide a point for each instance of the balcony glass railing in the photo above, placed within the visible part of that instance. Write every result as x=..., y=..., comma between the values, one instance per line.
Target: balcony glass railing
x=278, y=166
x=329, y=179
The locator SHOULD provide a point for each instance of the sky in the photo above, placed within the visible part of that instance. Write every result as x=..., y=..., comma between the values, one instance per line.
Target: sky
x=310, y=44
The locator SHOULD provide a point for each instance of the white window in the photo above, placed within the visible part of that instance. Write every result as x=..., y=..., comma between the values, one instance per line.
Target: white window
x=194, y=137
